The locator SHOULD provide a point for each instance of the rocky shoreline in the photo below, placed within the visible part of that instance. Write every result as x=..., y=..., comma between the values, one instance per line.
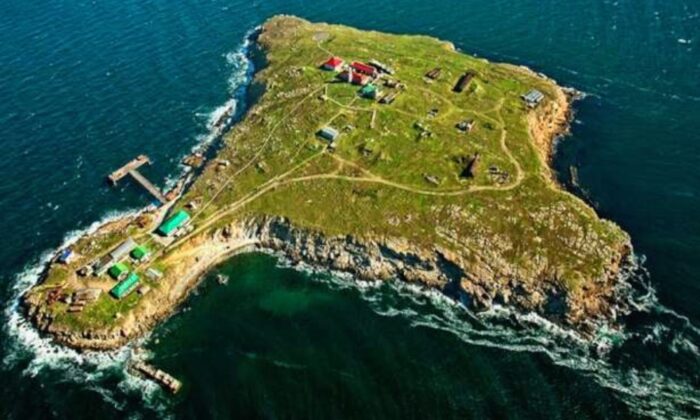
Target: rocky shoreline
x=379, y=259
x=476, y=285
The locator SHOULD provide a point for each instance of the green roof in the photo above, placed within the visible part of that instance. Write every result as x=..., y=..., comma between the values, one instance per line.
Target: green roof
x=369, y=89
x=125, y=286
x=140, y=252
x=174, y=222
x=117, y=270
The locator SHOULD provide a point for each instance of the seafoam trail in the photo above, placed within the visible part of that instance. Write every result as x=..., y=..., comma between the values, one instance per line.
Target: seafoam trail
x=25, y=346
x=649, y=390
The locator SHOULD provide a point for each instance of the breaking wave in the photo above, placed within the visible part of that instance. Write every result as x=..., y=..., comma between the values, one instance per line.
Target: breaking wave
x=35, y=354
x=217, y=121
x=615, y=359
x=27, y=349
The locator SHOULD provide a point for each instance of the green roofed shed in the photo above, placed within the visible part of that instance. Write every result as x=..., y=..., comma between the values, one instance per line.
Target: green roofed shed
x=173, y=223
x=125, y=286
x=369, y=91
x=118, y=271
x=140, y=252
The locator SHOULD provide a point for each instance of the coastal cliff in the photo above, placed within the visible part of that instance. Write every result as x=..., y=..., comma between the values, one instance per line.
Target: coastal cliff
x=389, y=202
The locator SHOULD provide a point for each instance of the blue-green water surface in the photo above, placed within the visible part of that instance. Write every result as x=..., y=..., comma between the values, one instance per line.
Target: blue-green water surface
x=85, y=86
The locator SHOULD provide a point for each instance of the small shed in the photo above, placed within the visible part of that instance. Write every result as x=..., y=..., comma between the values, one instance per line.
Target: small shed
x=533, y=98
x=65, y=256
x=370, y=91
x=153, y=274
x=328, y=133
x=140, y=253
x=174, y=223
x=118, y=271
x=434, y=74
x=381, y=66
x=125, y=286
x=465, y=125
x=463, y=81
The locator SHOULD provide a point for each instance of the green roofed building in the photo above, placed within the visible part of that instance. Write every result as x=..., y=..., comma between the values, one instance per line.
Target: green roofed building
x=173, y=223
x=118, y=271
x=126, y=286
x=140, y=253
x=369, y=91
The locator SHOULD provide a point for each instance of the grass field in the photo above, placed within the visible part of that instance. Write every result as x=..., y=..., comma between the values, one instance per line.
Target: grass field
x=384, y=179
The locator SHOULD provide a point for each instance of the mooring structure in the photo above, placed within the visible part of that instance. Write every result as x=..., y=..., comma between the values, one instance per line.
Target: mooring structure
x=132, y=168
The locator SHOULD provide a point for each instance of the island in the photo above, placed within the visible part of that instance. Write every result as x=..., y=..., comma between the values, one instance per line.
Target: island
x=388, y=157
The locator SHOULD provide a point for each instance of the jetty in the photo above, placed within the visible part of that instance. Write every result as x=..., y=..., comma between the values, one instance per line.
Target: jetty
x=132, y=168
x=166, y=380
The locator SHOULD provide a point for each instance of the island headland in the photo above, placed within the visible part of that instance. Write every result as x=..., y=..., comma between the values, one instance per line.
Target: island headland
x=389, y=157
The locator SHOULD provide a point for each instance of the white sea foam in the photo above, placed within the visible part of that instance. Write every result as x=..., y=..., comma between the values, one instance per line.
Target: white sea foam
x=646, y=390
x=26, y=343
x=241, y=74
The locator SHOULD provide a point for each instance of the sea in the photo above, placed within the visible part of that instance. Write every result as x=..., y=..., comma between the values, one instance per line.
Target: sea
x=87, y=85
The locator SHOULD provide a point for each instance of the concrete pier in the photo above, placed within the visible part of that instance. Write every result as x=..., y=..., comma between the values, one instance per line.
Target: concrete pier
x=134, y=164
x=131, y=168
x=163, y=378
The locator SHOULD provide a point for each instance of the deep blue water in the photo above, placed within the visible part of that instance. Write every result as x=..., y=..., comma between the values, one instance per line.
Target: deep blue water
x=85, y=86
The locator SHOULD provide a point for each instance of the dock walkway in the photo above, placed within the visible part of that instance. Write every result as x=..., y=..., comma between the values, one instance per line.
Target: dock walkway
x=131, y=168
x=133, y=165
x=145, y=183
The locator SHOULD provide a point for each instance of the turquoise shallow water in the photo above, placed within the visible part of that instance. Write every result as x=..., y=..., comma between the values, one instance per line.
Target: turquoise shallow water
x=86, y=86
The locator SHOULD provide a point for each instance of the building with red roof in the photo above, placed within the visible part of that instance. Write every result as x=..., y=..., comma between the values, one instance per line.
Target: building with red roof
x=353, y=77
x=359, y=79
x=364, y=68
x=333, y=64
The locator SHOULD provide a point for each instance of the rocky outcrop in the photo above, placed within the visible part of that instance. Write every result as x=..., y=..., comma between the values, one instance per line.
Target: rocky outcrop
x=476, y=287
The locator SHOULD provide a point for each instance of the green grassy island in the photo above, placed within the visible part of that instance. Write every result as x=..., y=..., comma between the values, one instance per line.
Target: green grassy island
x=390, y=157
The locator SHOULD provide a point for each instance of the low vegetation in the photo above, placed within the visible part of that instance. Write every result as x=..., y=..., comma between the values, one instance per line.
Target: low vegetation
x=396, y=170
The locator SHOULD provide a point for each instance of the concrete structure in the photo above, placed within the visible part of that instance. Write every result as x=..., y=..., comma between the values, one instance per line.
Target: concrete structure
x=381, y=67
x=123, y=249
x=165, y=380
x=329, y=133
x=131, y=168
x=533, y=98
x=466, y=125
x=463, y=81
x=434, y=74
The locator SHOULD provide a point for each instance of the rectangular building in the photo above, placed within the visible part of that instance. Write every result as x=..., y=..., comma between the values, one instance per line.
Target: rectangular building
x=123, y=249
x=175, y=222
x=118, y=271
x=333, y=64
x=328, y=133
x=126, y=286
x=533, y=98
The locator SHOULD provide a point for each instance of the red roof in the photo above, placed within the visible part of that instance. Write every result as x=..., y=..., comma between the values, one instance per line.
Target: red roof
x=358, y=79
x=334, y=62
x=363, y=68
